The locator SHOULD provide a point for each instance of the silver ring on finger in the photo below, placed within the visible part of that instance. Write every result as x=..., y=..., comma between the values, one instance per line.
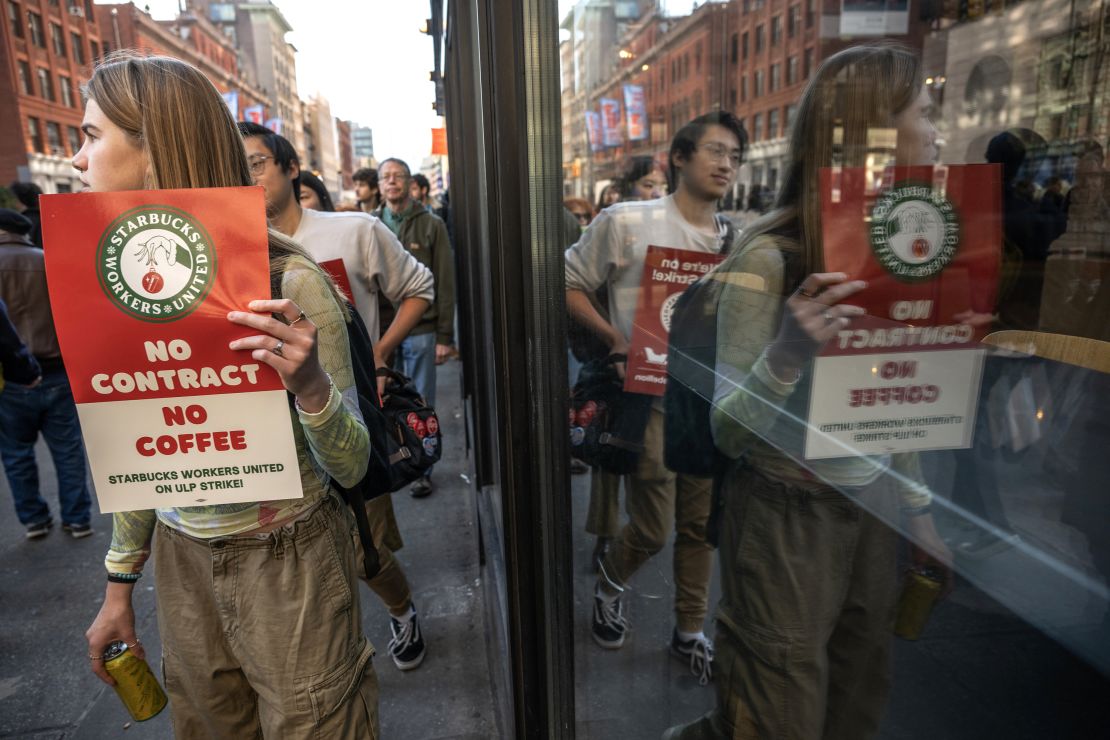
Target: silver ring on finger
x=829, y=318
x=300, y=317
x=806, y=294
x=277, y=348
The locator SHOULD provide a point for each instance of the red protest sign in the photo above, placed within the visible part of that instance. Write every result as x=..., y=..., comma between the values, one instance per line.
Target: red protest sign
x=141, y=283
x=667, y=273
x=928, y=241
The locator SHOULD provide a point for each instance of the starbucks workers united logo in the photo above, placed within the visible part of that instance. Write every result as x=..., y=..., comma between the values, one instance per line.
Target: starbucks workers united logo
x=914, y=232
x=156, y=263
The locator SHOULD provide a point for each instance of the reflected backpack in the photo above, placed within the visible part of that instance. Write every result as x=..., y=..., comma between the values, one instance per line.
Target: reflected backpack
x=607, y=424
x=688, y=445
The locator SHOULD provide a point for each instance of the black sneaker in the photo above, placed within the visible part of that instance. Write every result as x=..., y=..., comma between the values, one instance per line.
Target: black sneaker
x=407, y=645
x=78, y=531
x=609, y=624
x=421, y=488
x=40, y=530
x=698, y=651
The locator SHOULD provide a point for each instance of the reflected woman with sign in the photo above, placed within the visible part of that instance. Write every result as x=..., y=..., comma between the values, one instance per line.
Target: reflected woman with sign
x=257, y=603
x=808, y=561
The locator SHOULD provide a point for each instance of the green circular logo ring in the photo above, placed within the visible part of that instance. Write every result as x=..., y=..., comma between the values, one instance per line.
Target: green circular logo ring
x=156, y=263
x=914, y=232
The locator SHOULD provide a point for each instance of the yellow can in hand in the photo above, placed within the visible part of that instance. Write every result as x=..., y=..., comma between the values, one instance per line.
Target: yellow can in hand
x=918, y=596
x=136, y=685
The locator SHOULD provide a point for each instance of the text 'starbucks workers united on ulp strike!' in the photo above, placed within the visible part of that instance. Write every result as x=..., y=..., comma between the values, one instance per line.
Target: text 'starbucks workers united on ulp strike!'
x=140, y=286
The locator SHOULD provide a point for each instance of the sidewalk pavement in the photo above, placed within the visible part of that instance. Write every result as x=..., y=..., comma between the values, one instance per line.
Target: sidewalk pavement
x=51, y=589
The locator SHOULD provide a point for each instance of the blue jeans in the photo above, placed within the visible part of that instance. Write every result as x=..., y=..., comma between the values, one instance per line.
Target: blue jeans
x=416, y=358
x=24, y=413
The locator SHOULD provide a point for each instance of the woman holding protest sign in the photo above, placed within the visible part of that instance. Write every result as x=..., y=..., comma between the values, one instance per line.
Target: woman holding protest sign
x=808, y=562
x=279, y=652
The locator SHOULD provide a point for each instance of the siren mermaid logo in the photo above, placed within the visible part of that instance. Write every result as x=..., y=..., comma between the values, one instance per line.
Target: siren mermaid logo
x=914, y=232
x=156, y=263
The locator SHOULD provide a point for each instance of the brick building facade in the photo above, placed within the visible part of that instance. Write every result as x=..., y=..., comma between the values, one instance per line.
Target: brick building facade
x=47, y=49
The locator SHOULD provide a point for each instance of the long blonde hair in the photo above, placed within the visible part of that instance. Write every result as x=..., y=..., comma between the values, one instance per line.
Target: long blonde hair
x=186, y=131
x=852, y=93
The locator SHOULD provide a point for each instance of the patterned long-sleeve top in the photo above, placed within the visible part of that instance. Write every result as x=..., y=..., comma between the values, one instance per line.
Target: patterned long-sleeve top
x=756, y=414
x=332, y=444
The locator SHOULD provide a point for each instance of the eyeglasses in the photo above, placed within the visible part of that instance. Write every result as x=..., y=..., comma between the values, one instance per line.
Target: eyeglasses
x=258, y=164
x=389, y=176
x=720, y=153
x=583, y=218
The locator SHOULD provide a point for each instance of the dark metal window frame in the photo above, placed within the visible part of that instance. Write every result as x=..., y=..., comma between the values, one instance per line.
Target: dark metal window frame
x=503, y=118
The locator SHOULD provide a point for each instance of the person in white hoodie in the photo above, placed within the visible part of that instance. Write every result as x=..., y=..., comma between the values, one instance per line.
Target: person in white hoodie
x=362, y=249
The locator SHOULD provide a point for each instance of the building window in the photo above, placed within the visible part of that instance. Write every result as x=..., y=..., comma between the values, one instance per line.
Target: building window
x=776, y=76
x=733, y=48
x=36, y=133
x=773, y=123
x=808, y=63
x=791, y=70
x=758, y=83
x=34, y=21
x=793, y=20
x=25, y=78
x=105, y=47
x=58, y=40
x=744, y=89
x=16, y=19
x=66, y=87
x=697, y=58
x=757, y=127
x=94, y=50
x=78, y=48
x=758, y=38
x=744, y=45
x=790, y=111
x=46, y=84
x=54, y=139
x=732, y=99
x=74, y=139
x=776, y=30
x=811, y=11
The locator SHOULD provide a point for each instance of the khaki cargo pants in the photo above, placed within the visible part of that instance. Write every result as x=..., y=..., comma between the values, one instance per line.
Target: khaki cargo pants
x=805, y=622
x=390, y=583
x=657, y=500
x=261, y=635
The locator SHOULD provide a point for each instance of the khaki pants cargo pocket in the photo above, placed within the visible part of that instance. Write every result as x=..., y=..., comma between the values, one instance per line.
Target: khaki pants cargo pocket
x=344, y=700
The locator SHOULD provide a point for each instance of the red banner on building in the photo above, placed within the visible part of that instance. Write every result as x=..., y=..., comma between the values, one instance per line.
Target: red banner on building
x=928, y=241
x=667, y=273
x=141, y=283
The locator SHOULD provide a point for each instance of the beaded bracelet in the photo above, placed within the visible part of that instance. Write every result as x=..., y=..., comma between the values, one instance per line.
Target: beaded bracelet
x=331, y=392
x=124, y=577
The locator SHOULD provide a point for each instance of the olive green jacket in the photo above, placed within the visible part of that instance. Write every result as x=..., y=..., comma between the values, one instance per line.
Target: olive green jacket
x=424, y=235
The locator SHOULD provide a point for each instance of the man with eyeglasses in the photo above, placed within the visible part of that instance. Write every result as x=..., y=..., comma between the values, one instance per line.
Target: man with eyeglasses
x=424, y=234
x=374, y=262
x=704, y=159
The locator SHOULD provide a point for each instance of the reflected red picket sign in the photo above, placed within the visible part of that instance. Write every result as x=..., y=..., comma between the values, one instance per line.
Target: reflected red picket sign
x=141, y=283
x=928, y=242
x=668, y=272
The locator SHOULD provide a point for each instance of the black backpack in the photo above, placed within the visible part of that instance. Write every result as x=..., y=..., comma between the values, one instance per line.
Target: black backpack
x=688, y=446
x=405, y=437
x=606, y=423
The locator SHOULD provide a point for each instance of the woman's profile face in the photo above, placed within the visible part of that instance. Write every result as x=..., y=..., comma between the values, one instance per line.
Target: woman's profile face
x=651, y=186
x=917, y=137
x=109, y=159
x=309, y=198
x=612, y=195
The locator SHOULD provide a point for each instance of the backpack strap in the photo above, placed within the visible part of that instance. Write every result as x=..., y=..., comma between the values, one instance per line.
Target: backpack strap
x=353, y=496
